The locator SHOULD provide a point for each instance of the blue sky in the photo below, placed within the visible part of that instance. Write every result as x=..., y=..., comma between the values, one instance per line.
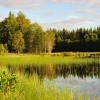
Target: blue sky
x=56, y=13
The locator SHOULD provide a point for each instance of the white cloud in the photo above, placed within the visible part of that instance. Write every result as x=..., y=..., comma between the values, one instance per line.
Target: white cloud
x=76, y=20
x=72, y=22
x=88, y=12
x=22, y=3
x=38, y=3
x=76, y=1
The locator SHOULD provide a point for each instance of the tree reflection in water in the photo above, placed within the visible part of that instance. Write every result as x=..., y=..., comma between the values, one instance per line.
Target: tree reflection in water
x=51, y=71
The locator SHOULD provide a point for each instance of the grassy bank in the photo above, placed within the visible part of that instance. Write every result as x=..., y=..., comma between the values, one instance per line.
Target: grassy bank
x=33, y=89
x=15, y=59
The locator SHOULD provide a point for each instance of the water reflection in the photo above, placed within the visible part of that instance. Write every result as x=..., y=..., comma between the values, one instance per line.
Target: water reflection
x=81, y=78
x=53, y=71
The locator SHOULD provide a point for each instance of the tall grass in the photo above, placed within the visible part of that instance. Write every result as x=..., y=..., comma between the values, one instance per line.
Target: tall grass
x=33, y=89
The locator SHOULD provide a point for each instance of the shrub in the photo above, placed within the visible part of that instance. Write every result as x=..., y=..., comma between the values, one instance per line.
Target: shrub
x=7, y=82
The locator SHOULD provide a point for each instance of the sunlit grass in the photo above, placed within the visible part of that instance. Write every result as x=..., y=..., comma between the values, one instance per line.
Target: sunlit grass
x=14, y=59
x=34, y=89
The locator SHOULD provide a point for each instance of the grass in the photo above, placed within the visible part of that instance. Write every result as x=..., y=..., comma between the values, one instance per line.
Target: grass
x=14, y=59
x=33, y=89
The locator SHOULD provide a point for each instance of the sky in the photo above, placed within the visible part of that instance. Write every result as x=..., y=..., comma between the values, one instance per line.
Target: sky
x=58, y=14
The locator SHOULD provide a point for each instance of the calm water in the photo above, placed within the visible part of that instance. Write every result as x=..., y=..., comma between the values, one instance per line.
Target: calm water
x=84, y=78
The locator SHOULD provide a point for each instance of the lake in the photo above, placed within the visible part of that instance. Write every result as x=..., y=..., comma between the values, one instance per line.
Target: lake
x=80, y=78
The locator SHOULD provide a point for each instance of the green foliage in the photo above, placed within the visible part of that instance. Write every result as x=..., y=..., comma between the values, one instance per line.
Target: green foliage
x=33, y=89
x=36, y=40
x=28, y=37
x=23, y=22
x=18, y=42
x=7, y=82
x=91, y=37
x=2, y=49
x=11, y=23
x=49, y=41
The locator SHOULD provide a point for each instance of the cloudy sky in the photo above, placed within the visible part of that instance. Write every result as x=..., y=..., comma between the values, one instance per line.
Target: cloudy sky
x=56, y=13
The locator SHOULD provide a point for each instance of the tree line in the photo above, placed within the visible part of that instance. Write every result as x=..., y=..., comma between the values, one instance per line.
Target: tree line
x=82, y=39
x=18, y=34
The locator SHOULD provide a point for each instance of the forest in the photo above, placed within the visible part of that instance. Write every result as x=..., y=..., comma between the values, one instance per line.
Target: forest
x=19, y=35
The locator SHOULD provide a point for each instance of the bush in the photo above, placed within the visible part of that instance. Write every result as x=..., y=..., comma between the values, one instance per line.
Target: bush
x=7, y=82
